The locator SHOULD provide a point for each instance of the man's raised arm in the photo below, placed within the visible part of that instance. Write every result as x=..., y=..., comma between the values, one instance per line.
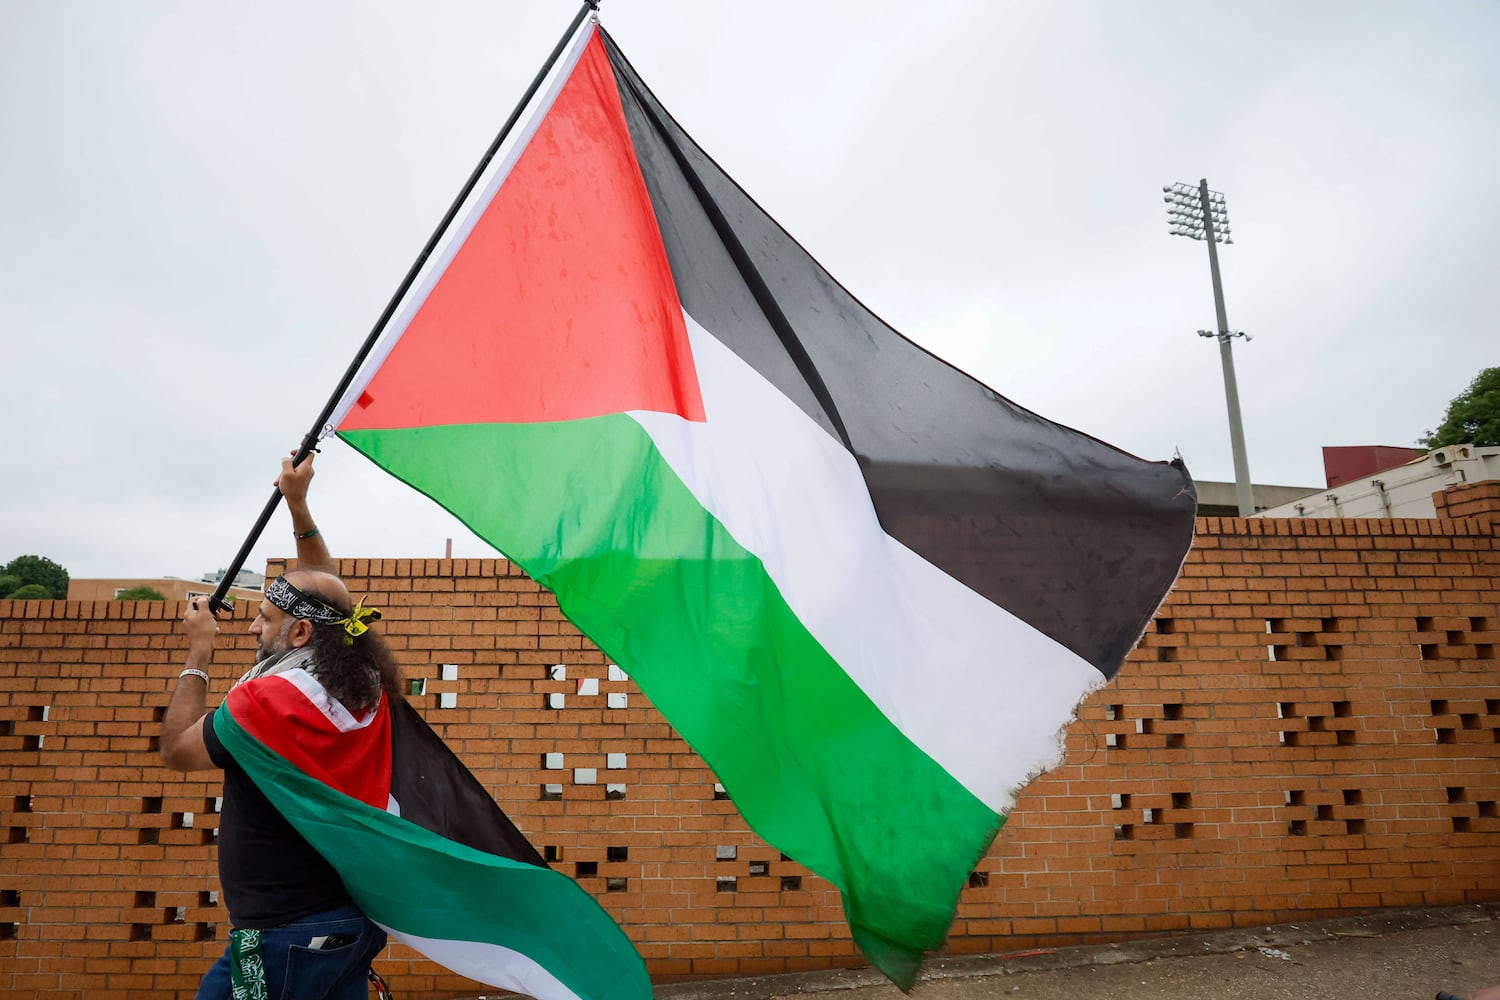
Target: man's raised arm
x=312, y=550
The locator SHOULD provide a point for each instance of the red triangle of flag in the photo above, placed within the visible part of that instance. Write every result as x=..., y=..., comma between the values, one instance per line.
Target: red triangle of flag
x=560, y=303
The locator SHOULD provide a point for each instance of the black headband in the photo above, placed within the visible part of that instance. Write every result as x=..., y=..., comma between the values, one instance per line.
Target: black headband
x=301, y=605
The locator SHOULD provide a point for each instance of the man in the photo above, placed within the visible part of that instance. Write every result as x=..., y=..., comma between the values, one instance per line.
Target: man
x=296, y=935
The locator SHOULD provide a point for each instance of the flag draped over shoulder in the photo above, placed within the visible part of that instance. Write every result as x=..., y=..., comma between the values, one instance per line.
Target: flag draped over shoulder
x=421, y=847
x=867, y=589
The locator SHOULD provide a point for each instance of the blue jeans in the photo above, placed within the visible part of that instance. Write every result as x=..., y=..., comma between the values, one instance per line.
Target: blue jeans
x=321, y=957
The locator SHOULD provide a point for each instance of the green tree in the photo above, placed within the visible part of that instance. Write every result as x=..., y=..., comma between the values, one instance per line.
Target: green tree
x=39, y=570
x=1473, y=417
x=30, y=592
x=141, y=594
x=9, y=583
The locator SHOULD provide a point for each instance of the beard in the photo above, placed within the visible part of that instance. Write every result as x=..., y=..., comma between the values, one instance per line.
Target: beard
x=277, y=644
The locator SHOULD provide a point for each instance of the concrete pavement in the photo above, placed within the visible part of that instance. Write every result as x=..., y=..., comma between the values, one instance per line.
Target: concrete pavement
x=1400, y=955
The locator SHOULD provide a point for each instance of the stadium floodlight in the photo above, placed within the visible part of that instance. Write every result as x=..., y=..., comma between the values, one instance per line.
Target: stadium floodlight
x=1201, y=214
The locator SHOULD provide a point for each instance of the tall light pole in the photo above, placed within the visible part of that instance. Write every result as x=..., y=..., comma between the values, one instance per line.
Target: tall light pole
x=1200, y=214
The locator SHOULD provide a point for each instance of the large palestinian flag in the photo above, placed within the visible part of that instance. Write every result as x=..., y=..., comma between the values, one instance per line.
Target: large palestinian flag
x=420, y=845
x=867, y=589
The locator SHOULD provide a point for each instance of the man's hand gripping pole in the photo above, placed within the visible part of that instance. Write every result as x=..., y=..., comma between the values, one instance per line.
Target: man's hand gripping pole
x=217, y=603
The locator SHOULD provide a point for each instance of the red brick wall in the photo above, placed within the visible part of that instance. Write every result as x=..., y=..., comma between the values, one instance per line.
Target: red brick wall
x=1478, y=500
x=1311, y=727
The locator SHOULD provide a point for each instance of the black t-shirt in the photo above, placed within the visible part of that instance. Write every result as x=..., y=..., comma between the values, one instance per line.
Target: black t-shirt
x=269, y=874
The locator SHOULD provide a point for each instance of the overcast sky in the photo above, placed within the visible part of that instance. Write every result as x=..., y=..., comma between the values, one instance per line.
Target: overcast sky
x=204, y=207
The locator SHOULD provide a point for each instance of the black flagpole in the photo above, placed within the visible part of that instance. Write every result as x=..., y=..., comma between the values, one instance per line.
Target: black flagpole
x=217, y=603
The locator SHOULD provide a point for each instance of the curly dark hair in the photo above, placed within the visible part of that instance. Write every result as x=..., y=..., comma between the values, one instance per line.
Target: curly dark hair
x=355, y=672
x=352, y=669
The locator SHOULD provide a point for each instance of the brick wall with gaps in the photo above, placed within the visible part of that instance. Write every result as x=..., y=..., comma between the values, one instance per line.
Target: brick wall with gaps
x=1310, y=727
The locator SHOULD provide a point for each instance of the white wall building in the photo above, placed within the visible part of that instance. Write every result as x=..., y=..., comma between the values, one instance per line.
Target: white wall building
x=1403, y=491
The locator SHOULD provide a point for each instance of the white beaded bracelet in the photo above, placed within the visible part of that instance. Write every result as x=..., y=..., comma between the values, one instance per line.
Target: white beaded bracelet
x=195, y=672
